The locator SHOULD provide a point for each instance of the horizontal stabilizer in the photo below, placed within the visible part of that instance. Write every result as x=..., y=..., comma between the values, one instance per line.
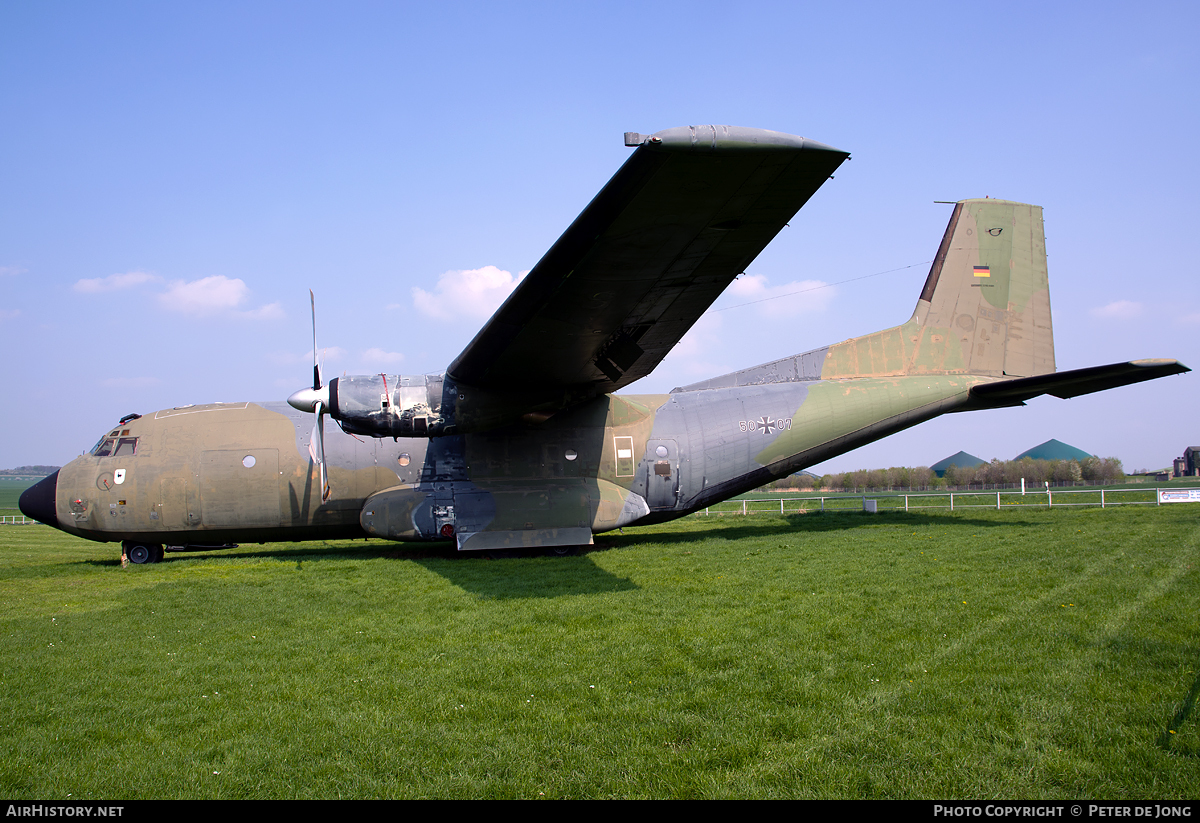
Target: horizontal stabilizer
x=1066, y=384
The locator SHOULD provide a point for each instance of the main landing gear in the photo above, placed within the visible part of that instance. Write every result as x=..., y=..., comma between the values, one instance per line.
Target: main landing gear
x=140, y=553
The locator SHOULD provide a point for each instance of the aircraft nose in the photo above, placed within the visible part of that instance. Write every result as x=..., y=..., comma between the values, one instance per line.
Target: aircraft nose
x=37, y=501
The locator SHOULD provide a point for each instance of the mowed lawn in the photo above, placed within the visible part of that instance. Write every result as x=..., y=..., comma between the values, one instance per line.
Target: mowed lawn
x=980, y=654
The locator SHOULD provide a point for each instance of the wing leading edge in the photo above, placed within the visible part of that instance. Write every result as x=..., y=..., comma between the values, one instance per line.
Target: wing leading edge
x=685, y=214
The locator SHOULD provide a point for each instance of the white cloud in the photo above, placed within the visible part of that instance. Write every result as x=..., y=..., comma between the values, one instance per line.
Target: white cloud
x=204, y=296
x=787, y=300
x=1119, y=310
x=6, y=270
x=327, y=353
x=379, y=357
x=295, y=370
x=9, y=314
x=114, y=282
x=215, y=295
x=271, y=311
x=470, y=293
x=699, y=354
x=287, y=358
x=704, y=334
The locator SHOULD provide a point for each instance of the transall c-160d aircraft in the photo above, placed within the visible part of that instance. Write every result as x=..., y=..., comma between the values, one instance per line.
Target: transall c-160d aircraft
x=521, y=441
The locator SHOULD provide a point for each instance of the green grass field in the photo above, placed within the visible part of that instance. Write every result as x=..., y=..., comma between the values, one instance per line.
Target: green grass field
x=1020, y=654
x=10, y=492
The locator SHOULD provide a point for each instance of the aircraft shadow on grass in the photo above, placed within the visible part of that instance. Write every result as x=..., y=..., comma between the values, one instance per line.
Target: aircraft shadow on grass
x=474, y=573
x=800, y=524
x=478, y=574
x=580, y=575
x=505, y=581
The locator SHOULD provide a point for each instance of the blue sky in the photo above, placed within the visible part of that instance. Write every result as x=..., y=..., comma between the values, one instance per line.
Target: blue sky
x=174, y=177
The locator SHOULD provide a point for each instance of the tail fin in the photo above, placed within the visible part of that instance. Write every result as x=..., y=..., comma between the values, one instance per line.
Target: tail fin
x=985, y=308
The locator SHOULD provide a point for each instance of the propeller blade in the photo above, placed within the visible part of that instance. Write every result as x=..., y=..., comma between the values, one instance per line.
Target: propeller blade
x=312, y=298
x=325, y=490
x=315, y=400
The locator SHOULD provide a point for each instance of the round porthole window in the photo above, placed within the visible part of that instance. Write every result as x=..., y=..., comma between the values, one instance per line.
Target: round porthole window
x=404, y=460
x=661, y=451
x=248, y=461
x=571, y=454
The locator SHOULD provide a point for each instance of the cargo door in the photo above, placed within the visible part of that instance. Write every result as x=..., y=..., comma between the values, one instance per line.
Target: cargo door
x=662, y=474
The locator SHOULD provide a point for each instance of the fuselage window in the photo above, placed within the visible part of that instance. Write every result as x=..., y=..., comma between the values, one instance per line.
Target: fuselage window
x=104, y=447
x=624, y=449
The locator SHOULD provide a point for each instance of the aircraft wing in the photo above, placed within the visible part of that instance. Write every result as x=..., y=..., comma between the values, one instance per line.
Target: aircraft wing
x=1073, y=383
x=686, y=213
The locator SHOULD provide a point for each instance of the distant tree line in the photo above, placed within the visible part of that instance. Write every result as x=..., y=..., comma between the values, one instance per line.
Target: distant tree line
x=1091, y=471
x=44, y=471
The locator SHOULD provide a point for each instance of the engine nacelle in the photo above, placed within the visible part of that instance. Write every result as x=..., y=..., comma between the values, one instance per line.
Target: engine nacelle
x=391, y=405
x=427, y=405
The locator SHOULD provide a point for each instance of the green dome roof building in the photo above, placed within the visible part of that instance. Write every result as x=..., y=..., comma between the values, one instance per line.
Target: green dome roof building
x=1054, y=450
x=961, y=459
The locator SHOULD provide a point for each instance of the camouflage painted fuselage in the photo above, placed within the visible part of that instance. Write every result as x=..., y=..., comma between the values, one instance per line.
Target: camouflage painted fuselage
x=244, y=473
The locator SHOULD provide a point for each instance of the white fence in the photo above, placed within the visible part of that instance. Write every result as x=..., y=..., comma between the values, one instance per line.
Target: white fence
x=997, y=500
x=15, y=520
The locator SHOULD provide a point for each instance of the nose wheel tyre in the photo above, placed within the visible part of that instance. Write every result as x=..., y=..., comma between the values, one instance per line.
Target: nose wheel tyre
x=140, y=553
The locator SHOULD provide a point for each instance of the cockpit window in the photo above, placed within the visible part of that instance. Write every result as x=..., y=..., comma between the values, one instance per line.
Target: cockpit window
x=115, y=447
x=126, y=447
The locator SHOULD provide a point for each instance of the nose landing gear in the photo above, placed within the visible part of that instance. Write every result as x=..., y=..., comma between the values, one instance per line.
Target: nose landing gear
x=140, y=553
